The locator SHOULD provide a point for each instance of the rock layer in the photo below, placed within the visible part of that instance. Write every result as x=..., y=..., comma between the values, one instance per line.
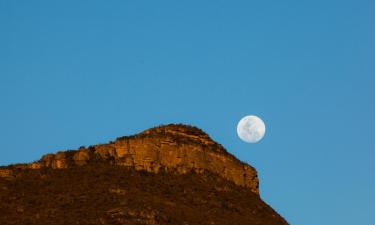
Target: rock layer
x=6, y=173
x=179, y=148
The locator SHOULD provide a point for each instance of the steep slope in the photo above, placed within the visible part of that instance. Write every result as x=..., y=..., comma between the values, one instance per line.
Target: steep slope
x=174, y=174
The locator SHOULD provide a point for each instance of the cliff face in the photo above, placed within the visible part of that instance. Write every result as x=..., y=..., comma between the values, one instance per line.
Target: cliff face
x=172, y=174
x=179, y=148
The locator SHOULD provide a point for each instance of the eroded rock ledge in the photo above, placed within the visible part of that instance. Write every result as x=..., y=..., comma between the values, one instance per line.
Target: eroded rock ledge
x=174, y=147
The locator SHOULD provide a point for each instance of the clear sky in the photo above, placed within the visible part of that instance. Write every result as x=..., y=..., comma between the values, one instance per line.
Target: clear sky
x=78, y=73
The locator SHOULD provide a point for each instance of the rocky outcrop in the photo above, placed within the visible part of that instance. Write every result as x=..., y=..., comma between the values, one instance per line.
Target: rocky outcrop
x=177, y=148
x=173, y=174
x=6, y=173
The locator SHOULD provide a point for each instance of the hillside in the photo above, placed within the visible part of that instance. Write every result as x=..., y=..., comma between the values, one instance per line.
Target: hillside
x=173, y=174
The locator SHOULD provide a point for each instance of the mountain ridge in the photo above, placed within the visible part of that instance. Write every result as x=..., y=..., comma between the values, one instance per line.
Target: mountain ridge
x=173, y=146
x=170, y=174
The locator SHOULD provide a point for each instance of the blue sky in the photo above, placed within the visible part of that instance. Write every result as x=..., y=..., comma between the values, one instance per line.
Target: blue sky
x=78, y=73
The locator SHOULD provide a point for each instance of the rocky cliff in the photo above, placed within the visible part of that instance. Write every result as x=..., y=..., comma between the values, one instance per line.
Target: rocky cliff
x=173, y=174
x=180, y=148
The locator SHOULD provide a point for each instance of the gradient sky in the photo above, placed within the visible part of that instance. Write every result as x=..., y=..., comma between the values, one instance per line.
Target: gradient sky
x=85, y=72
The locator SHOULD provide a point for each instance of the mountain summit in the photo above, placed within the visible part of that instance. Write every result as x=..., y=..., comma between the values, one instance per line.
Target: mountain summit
x=171, y=174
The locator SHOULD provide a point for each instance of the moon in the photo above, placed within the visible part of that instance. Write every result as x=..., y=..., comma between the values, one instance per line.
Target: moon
x=251, y=129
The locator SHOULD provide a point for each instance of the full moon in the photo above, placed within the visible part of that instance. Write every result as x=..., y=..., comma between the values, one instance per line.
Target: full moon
x=251, y=129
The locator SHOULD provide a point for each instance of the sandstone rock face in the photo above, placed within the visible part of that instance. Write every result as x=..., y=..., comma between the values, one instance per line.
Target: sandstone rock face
x=177, y=148
x=6, y=173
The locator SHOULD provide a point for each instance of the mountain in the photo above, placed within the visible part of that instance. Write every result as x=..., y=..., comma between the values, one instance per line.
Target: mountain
x=172, y=174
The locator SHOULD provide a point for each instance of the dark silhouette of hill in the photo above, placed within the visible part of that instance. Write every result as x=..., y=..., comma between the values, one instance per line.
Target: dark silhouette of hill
x=174, y=174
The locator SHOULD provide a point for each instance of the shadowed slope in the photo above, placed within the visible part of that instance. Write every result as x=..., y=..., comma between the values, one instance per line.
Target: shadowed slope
x=108, y=194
